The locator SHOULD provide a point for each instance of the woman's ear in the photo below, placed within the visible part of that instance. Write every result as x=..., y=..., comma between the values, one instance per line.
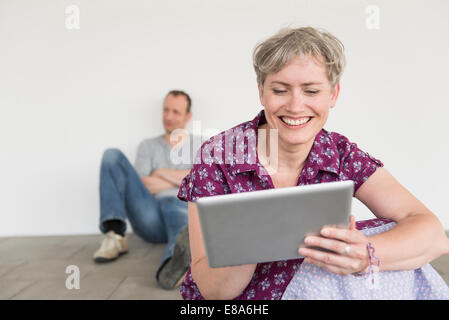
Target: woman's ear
x=335, y=93
x=261, y=94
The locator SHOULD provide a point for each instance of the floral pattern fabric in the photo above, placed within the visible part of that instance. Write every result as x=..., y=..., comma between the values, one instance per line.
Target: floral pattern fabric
x=315, y=283
x=228, y=163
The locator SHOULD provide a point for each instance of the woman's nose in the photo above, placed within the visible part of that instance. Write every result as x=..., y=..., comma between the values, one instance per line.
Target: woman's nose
x=296, y=103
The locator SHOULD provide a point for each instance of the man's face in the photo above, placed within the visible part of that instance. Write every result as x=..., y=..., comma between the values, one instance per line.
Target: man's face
x=174, y=113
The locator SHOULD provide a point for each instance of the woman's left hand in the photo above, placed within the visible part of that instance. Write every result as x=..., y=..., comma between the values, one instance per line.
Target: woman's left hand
x=349, y=245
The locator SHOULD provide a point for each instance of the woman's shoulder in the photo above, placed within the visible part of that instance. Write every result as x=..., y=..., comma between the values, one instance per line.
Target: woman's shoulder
x=349, y=151
x=338, y=141
x=236, y=131
x=226, y=140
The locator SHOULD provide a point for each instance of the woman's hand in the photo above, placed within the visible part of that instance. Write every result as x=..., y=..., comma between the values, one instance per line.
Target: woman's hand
x=344, y=261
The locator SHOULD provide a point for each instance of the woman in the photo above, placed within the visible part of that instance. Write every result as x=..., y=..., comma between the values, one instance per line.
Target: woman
x=298, y=73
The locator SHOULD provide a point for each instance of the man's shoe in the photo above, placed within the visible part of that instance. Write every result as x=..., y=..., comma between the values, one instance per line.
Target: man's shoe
x=111, y=248
x=174, y=271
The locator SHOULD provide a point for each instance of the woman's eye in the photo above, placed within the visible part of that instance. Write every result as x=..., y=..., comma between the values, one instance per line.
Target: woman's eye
x=312, y=92
x=279, y=91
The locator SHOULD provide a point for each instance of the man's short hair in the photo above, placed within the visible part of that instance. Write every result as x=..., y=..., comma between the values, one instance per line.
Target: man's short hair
x=182, y=93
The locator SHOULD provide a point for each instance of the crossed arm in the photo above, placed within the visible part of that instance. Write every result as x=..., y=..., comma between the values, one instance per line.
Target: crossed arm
x=164, y=178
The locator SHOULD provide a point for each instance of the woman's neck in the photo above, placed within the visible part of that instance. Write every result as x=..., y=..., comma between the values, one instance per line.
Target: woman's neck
x=290, y=158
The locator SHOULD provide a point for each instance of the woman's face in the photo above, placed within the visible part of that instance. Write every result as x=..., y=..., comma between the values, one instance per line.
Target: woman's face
x=298, y=92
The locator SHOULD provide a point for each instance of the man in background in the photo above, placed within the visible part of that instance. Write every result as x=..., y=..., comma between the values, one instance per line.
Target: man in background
x=146, y=194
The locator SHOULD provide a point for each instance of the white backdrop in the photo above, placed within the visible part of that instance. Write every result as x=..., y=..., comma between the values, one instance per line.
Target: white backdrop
x=68, y=94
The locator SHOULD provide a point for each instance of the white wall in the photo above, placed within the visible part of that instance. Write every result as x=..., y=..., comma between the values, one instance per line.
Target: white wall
x=66, y=95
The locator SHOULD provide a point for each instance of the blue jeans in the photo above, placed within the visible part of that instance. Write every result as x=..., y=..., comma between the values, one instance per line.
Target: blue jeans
x=123, y=195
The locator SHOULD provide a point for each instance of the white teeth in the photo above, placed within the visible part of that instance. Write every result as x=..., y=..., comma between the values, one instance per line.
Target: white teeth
x=295, y=122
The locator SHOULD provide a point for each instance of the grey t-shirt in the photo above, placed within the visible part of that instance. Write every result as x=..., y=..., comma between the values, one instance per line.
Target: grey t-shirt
x=155, y=153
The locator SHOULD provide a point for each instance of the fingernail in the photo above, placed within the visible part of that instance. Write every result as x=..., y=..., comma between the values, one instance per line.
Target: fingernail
x=325, y=232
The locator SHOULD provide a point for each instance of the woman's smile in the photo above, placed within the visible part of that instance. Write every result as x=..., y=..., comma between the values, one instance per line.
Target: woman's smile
x=295, y=123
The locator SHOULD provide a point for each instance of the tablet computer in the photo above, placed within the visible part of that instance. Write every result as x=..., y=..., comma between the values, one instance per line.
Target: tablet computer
x=270, y=225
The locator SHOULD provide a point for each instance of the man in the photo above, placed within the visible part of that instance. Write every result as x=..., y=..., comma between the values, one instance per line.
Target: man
x=147, y=194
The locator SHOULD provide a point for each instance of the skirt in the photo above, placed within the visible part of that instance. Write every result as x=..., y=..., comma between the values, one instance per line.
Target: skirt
x=311, y=282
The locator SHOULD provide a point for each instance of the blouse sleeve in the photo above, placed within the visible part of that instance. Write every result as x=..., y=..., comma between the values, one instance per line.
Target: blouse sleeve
x=358, y=166
x=205, y=179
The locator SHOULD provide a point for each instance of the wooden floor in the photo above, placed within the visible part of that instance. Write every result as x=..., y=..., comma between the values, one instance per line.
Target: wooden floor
x=35, y=268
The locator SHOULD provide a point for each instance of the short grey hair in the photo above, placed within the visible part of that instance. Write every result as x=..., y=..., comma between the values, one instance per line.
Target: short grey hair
x=272, y=54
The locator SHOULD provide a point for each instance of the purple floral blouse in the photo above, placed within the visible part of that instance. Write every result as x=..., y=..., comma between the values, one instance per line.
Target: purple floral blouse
x=228, y=163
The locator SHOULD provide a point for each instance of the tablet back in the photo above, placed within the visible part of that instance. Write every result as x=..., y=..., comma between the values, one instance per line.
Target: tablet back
x=270, y=225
